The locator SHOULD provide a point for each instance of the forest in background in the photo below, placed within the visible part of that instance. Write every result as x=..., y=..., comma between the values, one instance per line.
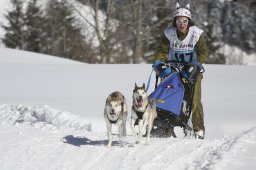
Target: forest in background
x=125, y=31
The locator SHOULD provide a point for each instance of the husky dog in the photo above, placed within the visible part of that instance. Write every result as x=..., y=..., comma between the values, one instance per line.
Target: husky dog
x=115, y=112
x=143, y=113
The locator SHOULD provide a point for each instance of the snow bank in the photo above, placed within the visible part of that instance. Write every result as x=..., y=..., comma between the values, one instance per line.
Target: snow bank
x=41, y=116
x=235, y=56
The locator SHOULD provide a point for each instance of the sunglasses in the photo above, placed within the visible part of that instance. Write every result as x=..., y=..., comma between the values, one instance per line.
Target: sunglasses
x=180, y=21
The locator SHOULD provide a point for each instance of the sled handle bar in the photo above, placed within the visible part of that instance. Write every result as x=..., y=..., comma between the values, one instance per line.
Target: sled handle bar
x=175, y=64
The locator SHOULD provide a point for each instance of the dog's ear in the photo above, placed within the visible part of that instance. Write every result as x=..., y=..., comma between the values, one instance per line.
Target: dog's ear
x=143, y=86
x=122, y=106
x=107, y=100
x=136, y=86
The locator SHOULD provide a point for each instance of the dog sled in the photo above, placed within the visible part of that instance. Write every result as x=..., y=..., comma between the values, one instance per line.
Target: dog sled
x=173, y=96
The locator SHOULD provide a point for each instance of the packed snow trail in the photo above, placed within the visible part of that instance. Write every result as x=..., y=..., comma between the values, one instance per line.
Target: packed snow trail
x=44, y=145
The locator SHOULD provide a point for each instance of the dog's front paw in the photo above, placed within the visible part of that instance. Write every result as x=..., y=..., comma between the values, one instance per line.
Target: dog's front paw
x=108, y=146
x=146, y=143
x=121, y=142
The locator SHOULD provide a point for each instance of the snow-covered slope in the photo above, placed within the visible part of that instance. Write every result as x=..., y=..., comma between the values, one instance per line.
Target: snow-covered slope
x=51, y=117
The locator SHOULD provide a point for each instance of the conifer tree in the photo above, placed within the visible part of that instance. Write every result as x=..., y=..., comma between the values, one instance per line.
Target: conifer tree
x=64, y=38
x=15, y=35
x=34, y=31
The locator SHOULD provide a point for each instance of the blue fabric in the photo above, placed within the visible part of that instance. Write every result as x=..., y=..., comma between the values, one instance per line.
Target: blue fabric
x=161, y=69
x=169, y=94
x=156, y=63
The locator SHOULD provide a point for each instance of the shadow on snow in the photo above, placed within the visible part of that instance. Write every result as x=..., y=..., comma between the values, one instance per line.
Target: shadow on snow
x=78, y=141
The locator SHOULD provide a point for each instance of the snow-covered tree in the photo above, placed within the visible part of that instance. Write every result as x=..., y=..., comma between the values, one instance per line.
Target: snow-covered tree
x=213, y=33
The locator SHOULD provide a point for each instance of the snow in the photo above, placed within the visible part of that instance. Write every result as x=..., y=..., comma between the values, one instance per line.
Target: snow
x=51, y=117
x=41, y=116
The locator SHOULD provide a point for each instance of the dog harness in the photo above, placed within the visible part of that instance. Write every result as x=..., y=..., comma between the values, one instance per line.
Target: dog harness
x=139, y=114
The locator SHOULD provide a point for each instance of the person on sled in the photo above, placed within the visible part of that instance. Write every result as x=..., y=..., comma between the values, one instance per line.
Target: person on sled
x=186, y=39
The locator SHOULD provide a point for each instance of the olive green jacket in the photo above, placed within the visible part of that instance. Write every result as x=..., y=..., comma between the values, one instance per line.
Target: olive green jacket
x=200, y=47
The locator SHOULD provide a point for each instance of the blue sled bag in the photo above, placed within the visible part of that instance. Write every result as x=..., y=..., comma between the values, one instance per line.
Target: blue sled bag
x=169, y=94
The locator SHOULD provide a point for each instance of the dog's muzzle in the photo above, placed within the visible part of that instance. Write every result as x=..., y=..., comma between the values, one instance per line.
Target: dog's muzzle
x=112, y=112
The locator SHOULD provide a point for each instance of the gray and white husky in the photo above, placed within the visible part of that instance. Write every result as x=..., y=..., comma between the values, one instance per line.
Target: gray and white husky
x=143, y=113
x=115, y=112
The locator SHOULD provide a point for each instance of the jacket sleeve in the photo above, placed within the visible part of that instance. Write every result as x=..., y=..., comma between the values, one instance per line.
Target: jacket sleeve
x=201, y=49
x=163, y=49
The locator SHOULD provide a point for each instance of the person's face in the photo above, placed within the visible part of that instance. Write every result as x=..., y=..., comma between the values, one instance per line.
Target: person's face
x=182, y=24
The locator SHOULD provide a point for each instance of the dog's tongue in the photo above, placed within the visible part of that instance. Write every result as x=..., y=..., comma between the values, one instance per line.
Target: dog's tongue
x=139, y=102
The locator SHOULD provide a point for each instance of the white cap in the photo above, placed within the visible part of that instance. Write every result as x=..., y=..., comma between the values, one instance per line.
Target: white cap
x=182, y=12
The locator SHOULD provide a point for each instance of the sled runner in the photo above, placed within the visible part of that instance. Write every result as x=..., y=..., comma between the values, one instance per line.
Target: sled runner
x=173, y=96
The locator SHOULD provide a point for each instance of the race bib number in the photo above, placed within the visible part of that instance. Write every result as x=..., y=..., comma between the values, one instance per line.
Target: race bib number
x=184, y=57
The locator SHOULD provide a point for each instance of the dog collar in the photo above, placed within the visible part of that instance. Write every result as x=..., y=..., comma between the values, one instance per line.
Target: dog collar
x=113, y=121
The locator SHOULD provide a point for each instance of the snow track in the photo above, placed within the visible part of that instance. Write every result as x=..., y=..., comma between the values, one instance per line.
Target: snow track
x=41, y=138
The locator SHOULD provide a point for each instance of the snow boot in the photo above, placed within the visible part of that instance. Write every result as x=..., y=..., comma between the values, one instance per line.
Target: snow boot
x=199, y=134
